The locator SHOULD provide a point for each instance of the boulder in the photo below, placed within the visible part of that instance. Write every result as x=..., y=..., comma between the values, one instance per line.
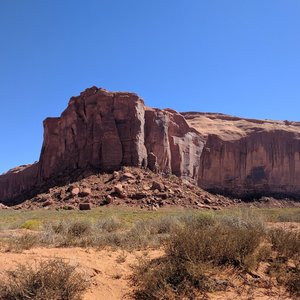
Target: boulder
x=85, y=192
x=2, y=206
x=156, y=185
x=85, y=206
x=75, y=191
x=48, y=203
x=118, y=188
x=127, y=176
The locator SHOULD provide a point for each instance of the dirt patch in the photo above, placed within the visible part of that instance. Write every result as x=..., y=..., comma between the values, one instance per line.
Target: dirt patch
x=108, y=271
x=289, y=226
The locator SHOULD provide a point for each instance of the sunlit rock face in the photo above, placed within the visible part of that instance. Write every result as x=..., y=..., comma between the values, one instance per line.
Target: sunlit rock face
x=103, y=131
x=248, y=158
x=98, y=130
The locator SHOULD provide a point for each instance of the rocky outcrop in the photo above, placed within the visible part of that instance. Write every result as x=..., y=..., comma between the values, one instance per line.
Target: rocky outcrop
x=248, y=158
x=98, y=130
x=102, y=131
x=173, y=147
x=18, y=184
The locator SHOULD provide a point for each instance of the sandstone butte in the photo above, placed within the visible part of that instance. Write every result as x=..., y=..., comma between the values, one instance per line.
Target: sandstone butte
x=102, y=131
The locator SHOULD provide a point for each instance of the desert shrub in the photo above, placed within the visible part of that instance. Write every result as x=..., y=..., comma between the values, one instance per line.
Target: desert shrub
x=164, y=225
x=110, y=224
x=287, y=245
x=280, y=214
x=150, y=233
x=193, y=252
x=286, y=242
x=31, y=225
x=58, y=228
x=164, y=279
x=79, y=229
x=68, y=233
x=199, y=220
x=200, y=241
x=23, y=242
x=53, y=279
x=289, y=216
x=293, y=283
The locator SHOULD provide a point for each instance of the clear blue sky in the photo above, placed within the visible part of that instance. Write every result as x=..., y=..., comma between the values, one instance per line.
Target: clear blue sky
x=240, y=57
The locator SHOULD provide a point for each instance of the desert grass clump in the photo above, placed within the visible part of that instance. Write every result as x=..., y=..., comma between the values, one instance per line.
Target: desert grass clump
x=31, y=225
x=68, y=233
x=286, y=242
x=285, y=266
x=52, y=279
x=293, y=283
x=167, y=279
x=110, y=224
x=150, y=233
x=79, y=229
x=194, y=253
x=25, y=241
x=217, y=241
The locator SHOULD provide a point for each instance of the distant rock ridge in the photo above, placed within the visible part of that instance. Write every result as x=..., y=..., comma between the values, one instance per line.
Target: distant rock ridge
x=102, y=131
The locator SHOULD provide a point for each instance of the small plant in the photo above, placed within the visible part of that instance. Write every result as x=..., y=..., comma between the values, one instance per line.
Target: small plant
x=79, y=229
x=23, y=242
x=293, y=283
x=287, y=245
x=31, y=225
x=110, y=224
x=121, y=258
x=53, y=279
x=286, y=242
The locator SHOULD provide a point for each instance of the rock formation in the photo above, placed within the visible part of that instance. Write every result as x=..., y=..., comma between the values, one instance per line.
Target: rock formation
x=102, y=131
x=248, y=158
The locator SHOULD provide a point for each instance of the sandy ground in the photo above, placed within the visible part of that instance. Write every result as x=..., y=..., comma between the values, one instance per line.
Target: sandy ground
x=290, y=226
x=108, y=271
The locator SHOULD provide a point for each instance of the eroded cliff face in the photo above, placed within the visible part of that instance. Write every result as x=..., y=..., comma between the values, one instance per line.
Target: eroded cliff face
x=248, y=158
x=18, y=184
x=98, y=130
x=102, y=131
x=173, y=147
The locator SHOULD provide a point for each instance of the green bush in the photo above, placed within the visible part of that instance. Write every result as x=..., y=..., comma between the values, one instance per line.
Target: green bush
x=31, y=225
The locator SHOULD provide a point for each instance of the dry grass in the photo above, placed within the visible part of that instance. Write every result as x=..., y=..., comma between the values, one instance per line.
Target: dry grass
x=200, y=247
x=194, y=251
x=197, y=245
x=108, y=232
x=23, y=242
x=286, y=242
x=285, y=266
x=293, y=283
x=53, y=279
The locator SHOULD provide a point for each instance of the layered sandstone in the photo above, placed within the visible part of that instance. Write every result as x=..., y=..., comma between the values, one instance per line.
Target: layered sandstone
x=98, y=130
x=102, y=131
x=248, y=158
